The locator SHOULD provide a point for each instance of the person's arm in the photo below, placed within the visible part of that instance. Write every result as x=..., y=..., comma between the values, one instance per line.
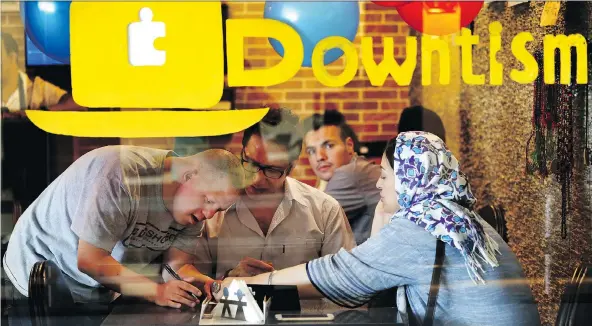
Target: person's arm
x=52, y=97
x=352, y=278
x=290, y=276
x=185, y=254
x=249, y=266
x=101, y=266
x=66, y=103
x=184, y=264
x=380, y=219
x=102, y=216
x=338, y=232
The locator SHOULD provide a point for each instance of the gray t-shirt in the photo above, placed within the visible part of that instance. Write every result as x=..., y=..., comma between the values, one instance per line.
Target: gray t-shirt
x=111, y=198
x=354, y=187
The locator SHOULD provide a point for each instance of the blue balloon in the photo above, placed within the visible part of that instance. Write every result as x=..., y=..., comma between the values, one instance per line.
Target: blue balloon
x=47, y=24
x=315, y=21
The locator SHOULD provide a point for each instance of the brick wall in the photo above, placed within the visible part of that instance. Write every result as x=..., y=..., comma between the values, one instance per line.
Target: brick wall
x=372, y=111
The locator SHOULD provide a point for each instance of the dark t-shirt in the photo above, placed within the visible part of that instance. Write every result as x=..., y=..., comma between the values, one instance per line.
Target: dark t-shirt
x=354, y=187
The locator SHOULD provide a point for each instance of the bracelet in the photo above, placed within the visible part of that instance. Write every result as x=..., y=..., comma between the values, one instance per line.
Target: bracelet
x=270, y=278
x=215, y=287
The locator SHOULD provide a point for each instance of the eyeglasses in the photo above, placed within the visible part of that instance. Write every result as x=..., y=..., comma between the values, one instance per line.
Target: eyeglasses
x=268, y=171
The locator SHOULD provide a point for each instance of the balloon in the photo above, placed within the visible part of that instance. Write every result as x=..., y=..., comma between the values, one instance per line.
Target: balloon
x=47, y=24
x=393, y=4
x=315, y=21
x=412, y=14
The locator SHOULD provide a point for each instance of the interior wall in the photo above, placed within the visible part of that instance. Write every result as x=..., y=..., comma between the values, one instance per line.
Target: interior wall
x=488, y=128
x=497, y=122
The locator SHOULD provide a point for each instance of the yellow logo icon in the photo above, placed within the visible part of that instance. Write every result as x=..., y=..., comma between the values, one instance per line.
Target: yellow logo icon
x=147, y=54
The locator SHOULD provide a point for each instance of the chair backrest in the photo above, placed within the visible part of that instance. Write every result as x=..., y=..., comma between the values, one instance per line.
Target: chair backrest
x=12, y=207
x=501, y=222
x=49, y=294
x=488, y=214
x=576, y=302
x=494, y=216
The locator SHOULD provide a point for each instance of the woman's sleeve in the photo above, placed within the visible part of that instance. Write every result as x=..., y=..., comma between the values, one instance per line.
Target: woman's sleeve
x=387, y=260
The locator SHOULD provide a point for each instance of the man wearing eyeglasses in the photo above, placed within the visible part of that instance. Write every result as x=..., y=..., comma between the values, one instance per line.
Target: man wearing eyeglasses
x=279, y=222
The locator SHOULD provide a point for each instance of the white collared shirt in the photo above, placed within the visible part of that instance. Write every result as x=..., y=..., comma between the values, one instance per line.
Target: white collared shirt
x=306, y=225
x=35, y=94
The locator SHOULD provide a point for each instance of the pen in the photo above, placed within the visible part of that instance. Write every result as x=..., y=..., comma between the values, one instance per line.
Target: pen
x=175, y=275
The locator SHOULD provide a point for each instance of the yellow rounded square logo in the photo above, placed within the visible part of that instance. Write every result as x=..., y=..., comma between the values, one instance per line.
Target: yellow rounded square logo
x=147, y=54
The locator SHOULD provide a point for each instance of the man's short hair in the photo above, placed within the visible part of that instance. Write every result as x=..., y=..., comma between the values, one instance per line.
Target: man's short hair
x=418, y=118
x=9, y=43
x=332, y=118
x=222, y=163
x=280, y=126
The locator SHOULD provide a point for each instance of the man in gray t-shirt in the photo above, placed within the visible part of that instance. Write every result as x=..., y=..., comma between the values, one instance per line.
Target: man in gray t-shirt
x=114, y=211
x=331, y=145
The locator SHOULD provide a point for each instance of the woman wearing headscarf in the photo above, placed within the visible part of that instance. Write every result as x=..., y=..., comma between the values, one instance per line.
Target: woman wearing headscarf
x=481, y=281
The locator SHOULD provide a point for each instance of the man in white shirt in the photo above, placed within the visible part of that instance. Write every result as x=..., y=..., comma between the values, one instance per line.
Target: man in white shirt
x=279, y=222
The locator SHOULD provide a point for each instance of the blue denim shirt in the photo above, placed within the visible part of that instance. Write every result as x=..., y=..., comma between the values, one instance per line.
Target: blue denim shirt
x=402, y=255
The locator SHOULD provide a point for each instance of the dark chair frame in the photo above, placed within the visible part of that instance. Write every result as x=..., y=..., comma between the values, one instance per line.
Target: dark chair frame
x=495, y=216
x=576, y=300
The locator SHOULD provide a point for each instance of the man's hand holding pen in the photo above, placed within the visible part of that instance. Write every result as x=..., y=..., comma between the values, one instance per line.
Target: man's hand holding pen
x=175, y=293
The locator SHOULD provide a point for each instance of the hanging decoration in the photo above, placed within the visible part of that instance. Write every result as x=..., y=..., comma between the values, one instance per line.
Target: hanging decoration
x=565, y=150
x=554, y=135
x=544, y=122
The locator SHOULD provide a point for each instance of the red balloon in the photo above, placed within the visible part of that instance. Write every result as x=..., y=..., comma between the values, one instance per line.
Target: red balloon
x=412, y=14
x=394, y=4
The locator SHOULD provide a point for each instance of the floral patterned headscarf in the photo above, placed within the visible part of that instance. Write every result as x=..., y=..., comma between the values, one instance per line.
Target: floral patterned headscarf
x=435, y=195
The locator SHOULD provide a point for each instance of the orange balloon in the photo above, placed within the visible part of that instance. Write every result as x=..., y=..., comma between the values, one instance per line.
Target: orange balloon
x=413, y=14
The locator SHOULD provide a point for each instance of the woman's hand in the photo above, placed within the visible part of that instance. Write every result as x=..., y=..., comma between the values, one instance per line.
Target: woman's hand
x=226, y=284
x=209, y=288
x=381, y=218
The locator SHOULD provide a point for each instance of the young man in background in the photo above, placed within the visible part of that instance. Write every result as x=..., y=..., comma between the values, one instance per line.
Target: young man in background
x=330, y=144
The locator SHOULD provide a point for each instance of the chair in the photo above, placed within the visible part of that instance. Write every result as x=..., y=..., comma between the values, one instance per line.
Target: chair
x=51, y=302
x=576, y=302
x=383, y=306
x=494, y=216
x=13, y=209
x=49, y=294
x=501, y=225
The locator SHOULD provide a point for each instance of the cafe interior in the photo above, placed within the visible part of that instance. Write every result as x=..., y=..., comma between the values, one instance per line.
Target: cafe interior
x=524, y=147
